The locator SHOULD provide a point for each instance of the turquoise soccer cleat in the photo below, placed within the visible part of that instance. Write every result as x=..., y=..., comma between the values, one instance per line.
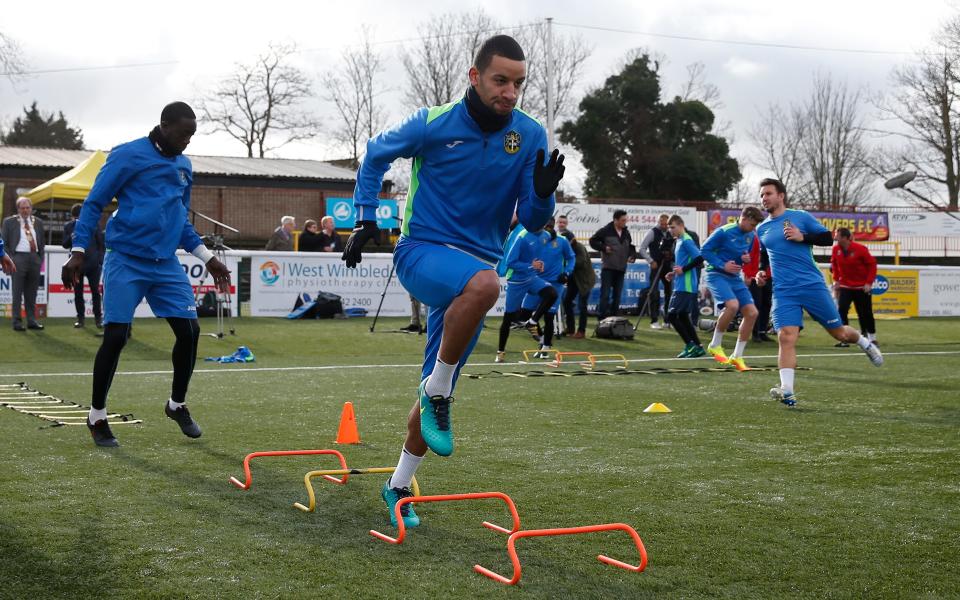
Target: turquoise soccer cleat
x=393, y=495
x=435, y=425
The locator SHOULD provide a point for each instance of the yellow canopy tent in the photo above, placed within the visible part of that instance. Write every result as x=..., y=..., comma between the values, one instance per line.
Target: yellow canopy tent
x=65, y=190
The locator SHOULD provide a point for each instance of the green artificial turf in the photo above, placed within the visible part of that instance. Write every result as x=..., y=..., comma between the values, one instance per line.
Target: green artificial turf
x=852, y=494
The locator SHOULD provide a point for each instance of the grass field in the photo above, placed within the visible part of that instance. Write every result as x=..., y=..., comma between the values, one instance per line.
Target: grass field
x=853, y=494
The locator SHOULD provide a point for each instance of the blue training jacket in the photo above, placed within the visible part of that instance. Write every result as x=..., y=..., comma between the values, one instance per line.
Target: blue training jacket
x=557, y=256
x=728, y=242
x=153, y=196
x=465, y=184
x=521, y=256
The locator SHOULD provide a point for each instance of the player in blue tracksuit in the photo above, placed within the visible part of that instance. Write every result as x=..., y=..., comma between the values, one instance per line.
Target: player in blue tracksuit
x=6, y=263
x=786, y=240
x=558, y=262
x=683, y=301
x=725, y=252
x=524, y=269
x=476, y=161
x=151, y=180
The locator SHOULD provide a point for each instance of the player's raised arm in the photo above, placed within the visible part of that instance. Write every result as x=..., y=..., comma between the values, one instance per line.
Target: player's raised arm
x=536, y=203
x=404, y=140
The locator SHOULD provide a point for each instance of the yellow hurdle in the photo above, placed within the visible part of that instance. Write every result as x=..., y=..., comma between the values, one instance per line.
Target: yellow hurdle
x=594, y=359
x=312, y=502
x=527, y=353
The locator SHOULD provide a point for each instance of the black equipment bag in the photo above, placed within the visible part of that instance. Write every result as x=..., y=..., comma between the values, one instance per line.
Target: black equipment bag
x=615, y=328
x=328, y=305
x=208, y=305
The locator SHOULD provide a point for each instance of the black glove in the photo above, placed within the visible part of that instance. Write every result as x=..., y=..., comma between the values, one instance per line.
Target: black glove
x=563, y=278
x=547, y=177
x=363, y=231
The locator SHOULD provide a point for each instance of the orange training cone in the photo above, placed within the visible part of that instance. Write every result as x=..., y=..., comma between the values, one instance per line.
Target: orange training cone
x=347, y=433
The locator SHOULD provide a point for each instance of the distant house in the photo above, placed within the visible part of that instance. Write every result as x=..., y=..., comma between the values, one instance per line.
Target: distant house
x=249, y=194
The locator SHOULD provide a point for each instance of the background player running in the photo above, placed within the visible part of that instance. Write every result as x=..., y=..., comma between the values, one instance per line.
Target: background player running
x=151, y=180
x=684, y=299
x=558, y=260
x=725, y=252
x=786, y=240
x=475, y=161
x=523, y=273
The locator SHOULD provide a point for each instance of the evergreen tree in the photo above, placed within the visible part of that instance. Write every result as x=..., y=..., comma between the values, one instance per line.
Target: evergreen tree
x=35, y=129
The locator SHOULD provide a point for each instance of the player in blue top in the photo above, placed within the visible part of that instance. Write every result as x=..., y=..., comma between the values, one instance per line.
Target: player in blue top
x=6, y=263
x=476, y=161
x=786, y=240
x=725, y=252
x=558, y=262
x=151, y=180
x=683, y=301
x=524, y=269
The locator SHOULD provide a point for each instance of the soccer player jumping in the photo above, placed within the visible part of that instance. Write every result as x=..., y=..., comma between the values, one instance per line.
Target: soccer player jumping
x=474, y=161
x=151, y=180
x=786, y=240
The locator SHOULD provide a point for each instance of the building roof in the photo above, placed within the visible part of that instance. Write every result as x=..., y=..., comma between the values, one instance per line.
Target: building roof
x=226, y=166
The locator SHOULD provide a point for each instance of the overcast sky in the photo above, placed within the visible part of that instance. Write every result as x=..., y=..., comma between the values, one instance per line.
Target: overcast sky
x=201, y=41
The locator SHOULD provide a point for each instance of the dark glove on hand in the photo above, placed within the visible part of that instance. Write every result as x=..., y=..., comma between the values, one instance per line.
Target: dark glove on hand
x=563, y=278
x=547, y=177
x=363, y=231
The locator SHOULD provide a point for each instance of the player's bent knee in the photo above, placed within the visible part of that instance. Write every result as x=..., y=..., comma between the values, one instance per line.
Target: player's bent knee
x=485, y=287
x=731, y=306
x=749, y=311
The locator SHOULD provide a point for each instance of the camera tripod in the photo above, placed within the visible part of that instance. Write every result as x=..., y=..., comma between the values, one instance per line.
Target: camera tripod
x=224, y=300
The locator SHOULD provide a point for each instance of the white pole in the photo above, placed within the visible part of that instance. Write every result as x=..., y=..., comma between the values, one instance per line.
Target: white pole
x=550, y=100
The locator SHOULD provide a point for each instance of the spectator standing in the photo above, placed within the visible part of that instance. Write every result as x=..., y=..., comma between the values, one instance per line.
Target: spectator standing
x=616, y=250
x=330, y=240
x=578, y=289
x=854, y=270
x=310, y=239
x=92, y=267
x=762, y=293
x=282, y=238
x=23, y=237
x=657, y=249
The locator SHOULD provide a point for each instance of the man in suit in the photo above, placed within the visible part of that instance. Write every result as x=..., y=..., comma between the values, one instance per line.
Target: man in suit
x=92, y=266
x=23, y=236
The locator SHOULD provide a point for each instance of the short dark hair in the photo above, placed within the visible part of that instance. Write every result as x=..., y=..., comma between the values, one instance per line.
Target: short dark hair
x=75, y=209
x=675, y=219
x=775, y=183
x=175, y=111
x=498, y=45
x=844, y=233
x=619, y=213
x=753, y=213
x=562, y=217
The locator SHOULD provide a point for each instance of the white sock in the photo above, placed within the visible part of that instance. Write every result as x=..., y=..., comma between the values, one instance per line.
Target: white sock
x=441, y=380
x=738, y=351
x=786, y=380
x=175, y=405
x=406, y=468
x=872, y=337
x=97, y=414
x=717, y=337
x=863, y=342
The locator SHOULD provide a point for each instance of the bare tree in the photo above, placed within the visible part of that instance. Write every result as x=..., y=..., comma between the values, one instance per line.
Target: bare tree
x=12, y=62
x=923, y=113
x=262, y=100
x=777, y=136
x=817, y=148
x=696, y=87
x=437, y=64
x=569, y=55
x=353, y=91
x=834, y=150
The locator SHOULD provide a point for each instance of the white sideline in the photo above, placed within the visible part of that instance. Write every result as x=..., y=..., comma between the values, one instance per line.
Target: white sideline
x=485, y=364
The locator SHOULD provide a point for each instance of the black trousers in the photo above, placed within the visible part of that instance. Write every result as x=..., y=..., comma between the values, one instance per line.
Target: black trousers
x=93, y=277
x=571, y=297
x=763, y=299
x=25, y=283
x=611, y=281
x=863, y=301
x=655, y=290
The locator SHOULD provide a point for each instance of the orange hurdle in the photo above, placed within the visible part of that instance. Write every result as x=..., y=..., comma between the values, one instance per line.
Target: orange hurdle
x=249, y=477
x=402, y=529
x=512, y=550
x=559, y=359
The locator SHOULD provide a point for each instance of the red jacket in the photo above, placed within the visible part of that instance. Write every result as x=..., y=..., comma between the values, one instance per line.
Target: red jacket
x=853, y=268
x=751, y=268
